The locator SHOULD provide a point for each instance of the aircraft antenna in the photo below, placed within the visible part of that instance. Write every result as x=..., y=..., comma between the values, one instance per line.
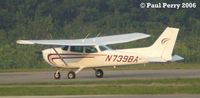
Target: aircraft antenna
x=86, y=37
x=96, y=37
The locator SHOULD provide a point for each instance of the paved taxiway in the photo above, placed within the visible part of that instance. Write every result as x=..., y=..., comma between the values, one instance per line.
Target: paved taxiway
x=35, y=77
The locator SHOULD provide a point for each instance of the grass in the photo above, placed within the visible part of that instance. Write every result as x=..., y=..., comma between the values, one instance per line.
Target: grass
x=152, y=66
x=88, y=87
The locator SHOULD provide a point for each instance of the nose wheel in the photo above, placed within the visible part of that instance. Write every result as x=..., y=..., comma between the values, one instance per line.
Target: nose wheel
x=57, y=75
x=99, y=73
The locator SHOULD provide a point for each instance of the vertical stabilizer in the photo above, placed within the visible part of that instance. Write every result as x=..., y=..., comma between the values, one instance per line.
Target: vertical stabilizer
x=164, y=45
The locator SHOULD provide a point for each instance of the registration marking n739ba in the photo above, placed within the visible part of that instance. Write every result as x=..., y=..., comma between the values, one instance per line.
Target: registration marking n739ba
x=121, y=58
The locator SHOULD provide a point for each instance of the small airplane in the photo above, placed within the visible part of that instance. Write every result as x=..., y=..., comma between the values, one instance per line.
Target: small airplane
x=93, y=53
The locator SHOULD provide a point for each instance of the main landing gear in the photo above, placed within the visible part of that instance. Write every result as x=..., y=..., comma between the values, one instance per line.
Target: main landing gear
x=71, y=75
x=99, y=73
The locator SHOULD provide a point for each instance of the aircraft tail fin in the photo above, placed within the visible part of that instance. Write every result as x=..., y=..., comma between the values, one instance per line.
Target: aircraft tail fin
x=164, y=45
x=162, y=48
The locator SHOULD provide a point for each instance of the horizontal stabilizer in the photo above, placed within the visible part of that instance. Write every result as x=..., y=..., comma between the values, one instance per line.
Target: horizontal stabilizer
x=159, y=59
x=176, y=58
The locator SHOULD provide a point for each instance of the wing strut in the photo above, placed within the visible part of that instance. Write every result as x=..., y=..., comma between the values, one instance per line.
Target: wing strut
x=60, y=57
x=77, y=71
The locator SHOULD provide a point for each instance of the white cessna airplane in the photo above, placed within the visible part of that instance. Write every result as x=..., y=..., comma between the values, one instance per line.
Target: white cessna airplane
x=93, y=52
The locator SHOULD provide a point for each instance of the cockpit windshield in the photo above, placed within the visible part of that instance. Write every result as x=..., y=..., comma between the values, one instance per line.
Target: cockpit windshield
x=104, y=48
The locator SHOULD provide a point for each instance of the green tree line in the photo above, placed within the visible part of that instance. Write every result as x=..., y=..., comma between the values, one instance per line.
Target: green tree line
x=69, y=19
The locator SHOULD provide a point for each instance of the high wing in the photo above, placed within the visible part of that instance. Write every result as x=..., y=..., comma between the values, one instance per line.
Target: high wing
x=104, y=40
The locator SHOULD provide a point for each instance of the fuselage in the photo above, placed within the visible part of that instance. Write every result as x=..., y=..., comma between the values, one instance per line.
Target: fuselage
x=89, y=56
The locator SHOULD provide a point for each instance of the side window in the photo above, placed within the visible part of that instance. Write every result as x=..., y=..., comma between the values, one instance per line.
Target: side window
x=65, y=48
x=90, y=49
x=76, y=49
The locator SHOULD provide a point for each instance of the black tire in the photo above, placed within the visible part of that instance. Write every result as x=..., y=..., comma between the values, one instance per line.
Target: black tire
x=99, y=73
x=57, y=75
x=71, y=75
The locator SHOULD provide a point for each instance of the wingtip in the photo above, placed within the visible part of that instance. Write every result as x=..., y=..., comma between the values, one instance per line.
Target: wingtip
x=173, y=28
x=24, y=42
x=146, y=35
x=18, y=41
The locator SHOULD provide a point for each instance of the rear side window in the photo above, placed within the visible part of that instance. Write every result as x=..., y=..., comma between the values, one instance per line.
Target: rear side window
x=76, y=49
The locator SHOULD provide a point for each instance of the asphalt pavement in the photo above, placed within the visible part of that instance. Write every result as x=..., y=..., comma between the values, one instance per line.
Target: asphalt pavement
x=47, y=76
